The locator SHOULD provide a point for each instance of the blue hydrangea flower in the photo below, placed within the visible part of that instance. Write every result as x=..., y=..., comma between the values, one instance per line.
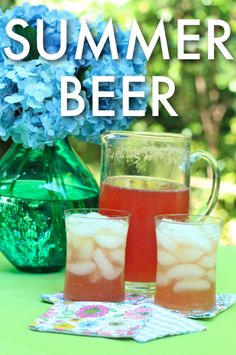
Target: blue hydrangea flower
x=30, y=91
x=34, y=102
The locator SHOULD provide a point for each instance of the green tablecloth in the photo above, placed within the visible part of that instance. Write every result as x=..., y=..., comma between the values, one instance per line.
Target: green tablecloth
x=20, y=305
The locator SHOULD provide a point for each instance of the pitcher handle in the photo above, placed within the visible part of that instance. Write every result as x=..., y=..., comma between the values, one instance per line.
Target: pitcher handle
x=206, y=210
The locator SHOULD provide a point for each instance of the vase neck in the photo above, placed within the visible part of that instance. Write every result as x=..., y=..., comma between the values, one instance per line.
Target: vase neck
x=56, y=172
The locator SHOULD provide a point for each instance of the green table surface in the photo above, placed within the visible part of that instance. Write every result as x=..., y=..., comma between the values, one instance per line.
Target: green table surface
x=20, y=305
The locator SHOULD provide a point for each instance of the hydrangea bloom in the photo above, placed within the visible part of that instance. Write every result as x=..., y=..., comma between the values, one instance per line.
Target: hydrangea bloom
x=30, y=91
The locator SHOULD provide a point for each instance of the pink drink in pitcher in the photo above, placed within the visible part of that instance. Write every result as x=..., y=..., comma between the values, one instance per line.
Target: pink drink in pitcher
x=144, y=198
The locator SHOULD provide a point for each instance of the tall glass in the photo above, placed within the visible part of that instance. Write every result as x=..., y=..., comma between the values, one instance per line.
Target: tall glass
x=96, y=241
x=149, y=174
x=186, y=270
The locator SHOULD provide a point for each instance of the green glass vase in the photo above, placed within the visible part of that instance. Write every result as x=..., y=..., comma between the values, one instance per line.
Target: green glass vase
x=36, y=186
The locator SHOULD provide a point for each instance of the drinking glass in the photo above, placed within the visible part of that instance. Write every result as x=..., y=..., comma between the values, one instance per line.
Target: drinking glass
x=186, y=268
x=149, y=174
x=96, y=241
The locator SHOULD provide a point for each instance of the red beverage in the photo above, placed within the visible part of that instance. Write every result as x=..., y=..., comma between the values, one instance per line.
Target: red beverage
x=93, y=288
x=185, y=301
x=144, y=198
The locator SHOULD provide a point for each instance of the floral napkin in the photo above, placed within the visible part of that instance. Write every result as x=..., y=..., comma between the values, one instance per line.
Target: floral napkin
x=94, y=319
x=223, y=302
x=135, y=318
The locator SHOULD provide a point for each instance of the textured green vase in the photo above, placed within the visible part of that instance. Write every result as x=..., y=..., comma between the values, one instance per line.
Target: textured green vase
x=36, y=186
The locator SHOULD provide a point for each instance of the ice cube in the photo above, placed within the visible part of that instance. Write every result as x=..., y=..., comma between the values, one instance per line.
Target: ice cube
x=109, y=241
x=186, y=234
x=119, y=269
x=106, y=268
x=81, y=268
x=183, y=271
x=211, y=275
x=191, y=285
x=175, y=228
x=79, y=230
x=208, y=261
x=166, y=241
x=117, y=256
x=72, y=218
x=167, y=226
x=73, y=240
x=86, y=230
x=72, y=229
x=211, y=230
x=69, y=252
x=196, y=240
x=85, y=251
x=113, y=226
x=118, y=227
x=162, y=279
x=95, y=276
x=165, y=258
x=188, y=255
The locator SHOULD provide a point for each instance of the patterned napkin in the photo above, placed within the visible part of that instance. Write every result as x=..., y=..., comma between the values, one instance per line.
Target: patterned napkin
x=135, y=318
x=223, y=302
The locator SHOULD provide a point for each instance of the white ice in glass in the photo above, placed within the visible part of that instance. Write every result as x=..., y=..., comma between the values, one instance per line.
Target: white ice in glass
x=186, y=255
x=96, y=245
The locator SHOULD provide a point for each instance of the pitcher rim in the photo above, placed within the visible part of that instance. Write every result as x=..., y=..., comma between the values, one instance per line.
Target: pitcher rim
x=148, y=135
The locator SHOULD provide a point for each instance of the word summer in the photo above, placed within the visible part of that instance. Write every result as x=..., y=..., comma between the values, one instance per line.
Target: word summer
x=215, y=42
x=136, y=36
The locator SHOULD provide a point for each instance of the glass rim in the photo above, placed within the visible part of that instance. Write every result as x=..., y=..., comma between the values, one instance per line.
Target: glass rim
x=148, y=135
x=121, y=214
x=209, y=219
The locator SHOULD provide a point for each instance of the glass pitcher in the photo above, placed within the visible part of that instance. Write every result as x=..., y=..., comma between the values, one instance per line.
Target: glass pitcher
x=148, y=174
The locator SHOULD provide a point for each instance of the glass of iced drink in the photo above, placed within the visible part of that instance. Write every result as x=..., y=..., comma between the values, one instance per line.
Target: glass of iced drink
x=186, y=270
x=96, y=241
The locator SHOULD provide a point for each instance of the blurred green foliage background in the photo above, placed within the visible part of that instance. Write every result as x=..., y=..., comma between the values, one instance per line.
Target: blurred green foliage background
x=205, y=90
